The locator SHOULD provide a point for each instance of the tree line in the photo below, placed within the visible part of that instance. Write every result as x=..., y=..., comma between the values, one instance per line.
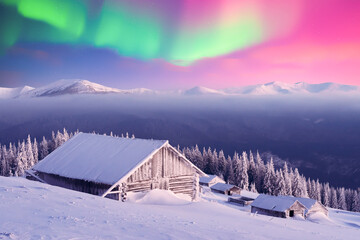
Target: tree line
x=245, y=170
x=250, y=172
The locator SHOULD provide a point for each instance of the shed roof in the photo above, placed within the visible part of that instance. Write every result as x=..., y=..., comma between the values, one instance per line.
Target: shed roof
x=274, y=203
x=98, y=158
x=223, y=187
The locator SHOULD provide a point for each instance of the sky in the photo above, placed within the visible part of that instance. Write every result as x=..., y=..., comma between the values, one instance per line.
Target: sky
x=162, y=44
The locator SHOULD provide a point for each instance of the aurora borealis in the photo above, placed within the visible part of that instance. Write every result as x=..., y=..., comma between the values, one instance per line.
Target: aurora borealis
x=179, y=43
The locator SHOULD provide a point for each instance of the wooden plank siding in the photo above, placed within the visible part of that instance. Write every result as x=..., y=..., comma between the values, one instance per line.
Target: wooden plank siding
x=165, y=170
x=76, y=184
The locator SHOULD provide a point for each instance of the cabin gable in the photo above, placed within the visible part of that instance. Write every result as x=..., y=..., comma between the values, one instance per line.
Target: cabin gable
x=167, y=170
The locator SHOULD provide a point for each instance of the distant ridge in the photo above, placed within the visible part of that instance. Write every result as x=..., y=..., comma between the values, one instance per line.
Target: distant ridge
x=79, y=86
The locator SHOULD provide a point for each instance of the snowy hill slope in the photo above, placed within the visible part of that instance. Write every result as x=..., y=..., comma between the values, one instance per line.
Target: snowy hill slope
x=78, y=86
x=32, y=210
x=13, y=92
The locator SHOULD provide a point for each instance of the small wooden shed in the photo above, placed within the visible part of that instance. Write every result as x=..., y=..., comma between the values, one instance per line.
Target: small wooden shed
x=111, y=166
x=241, y=200
x=277, y=206
x=210, y=180
x=224, y=188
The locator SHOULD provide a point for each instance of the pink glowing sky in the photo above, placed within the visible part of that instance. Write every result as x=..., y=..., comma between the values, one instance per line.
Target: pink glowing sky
x=322, y=46
x=300, y=40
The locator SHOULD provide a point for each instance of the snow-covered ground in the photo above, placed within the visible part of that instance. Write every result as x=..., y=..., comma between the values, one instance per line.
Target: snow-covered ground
x=32, y=210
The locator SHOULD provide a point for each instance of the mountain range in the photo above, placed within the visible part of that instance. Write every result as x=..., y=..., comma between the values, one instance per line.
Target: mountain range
x=78, y=86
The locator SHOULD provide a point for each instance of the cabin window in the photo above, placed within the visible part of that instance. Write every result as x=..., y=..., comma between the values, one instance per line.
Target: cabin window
x=291, y=213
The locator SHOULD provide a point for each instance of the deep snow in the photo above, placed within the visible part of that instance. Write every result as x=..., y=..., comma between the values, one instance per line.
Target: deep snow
x=33, y=210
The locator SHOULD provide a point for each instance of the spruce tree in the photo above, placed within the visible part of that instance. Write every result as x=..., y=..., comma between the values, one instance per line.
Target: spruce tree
x=297, y=184
x=221, y=163
x=334, y=199
x=44, y=148
x=269, y=178
x=237, y=168
x=326, y=195
x=29, y=153
x=35, y=151
x=287, y=180
x=341, y=198
x=260, y=173
x=229, y=176
x=244, y=178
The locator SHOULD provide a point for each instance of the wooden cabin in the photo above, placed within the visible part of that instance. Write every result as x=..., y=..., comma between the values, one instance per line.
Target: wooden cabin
x=224, y=188
x=312, y=205
x=210, y=180
x=277, y=206
x=111, y=166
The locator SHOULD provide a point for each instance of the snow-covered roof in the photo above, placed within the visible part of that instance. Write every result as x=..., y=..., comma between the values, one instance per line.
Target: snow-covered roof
x=307, y=202
x=274, y=203
x=208, y=179
x=98, y=158
x=222, y=186
x=249, y=194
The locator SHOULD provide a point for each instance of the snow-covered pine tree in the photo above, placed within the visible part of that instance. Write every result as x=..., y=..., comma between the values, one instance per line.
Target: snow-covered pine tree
x=318, y=190
x=237, y=168
x=11, y=159
x=229, y=176
x=65, y=136
x=4, y=169
x=221, y=163
x=35, y=151
x=297, y=184
x=251, y=168
x=214, y=163
x=357, y=202
x=310, y=187
x=269, y=178
x=44, y=148
x=29, y=153
x=280, y=183
x=260, y=173
x=326, y=195
x=198, y=158
x=341, y=198
x=244, y=178
x=21, y=160
x=334, y=199
x=287, y=180
x=304, y=192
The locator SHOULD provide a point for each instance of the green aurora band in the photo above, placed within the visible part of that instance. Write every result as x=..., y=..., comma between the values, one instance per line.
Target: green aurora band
x=142, y=32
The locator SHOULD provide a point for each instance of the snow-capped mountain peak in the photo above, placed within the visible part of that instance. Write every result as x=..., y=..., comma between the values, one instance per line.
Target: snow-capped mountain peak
x=79, y=86
x=199, y=90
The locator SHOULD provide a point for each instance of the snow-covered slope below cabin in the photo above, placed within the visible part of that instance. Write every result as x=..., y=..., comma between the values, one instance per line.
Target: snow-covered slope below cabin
x=78, y=86
x=6, y=93
x=32, y=210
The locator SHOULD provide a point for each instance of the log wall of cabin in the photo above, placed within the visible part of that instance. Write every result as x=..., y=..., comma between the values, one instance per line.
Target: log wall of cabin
x=165, y=170
x=76, y=184
x=268, y=212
